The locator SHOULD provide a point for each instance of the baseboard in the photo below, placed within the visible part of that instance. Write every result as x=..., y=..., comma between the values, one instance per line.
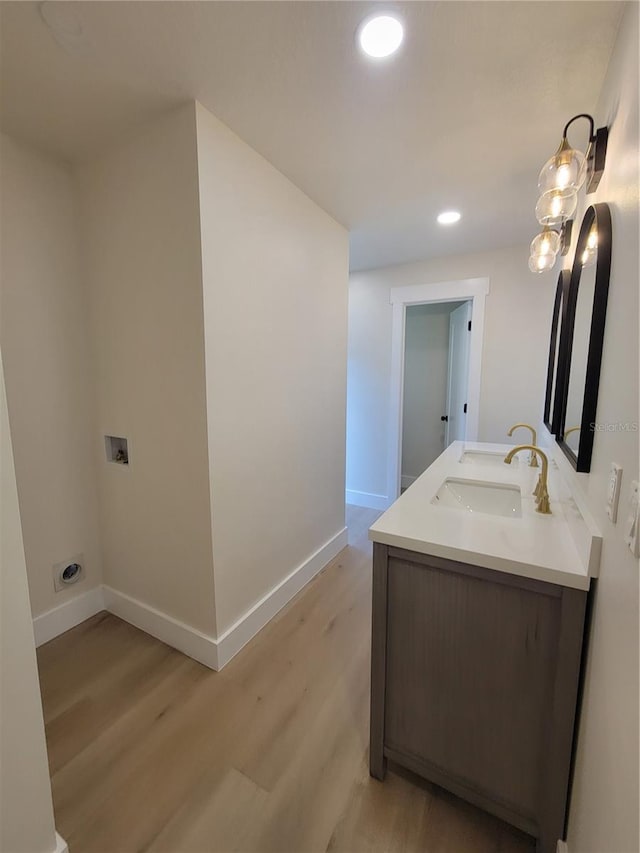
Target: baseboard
x=366, y=499
x=61, y=845
x=208, y=650
x=562, y=846
x=406, y=481
x=178, y=635
x=66, y=616
x=238, y=635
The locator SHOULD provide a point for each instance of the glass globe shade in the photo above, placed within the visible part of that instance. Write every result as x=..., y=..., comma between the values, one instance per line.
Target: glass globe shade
x=541, y=263
x=547, y=242
x=567, y=169
x=588, y=257
x=556, y=206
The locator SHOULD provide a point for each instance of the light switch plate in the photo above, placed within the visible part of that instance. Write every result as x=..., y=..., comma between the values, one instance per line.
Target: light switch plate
x=613, y=491
x=632, y=524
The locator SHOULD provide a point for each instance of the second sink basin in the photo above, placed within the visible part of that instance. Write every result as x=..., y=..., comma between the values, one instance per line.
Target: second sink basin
x=485, y=457
x=480, y=496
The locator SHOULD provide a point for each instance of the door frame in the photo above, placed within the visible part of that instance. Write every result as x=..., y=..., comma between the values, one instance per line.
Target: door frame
x=471, y=289
x=447, y=426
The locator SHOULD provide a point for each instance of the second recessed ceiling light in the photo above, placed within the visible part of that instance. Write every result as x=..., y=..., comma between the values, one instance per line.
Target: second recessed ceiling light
x=380, y=36
x=448, y=217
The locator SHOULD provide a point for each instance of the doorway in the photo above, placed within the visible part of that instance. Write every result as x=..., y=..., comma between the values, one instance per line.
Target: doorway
x=435, y=381
x=471, y=291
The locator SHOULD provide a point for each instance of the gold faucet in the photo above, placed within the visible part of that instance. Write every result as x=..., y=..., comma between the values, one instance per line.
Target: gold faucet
x=570, y=430
x=533, y=459
x=541, y=493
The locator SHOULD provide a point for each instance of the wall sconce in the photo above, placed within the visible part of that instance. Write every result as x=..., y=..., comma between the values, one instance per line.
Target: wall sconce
x=561, y=177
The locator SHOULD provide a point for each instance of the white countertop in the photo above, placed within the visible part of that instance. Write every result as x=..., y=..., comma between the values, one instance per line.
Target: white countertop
x=544, y=547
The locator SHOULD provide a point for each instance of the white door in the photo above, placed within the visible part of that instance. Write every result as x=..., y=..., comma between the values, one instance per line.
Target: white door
x=459, y=336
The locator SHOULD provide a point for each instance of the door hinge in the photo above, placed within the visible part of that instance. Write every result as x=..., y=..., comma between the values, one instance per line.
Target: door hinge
x=465, y=408
x=469, y=326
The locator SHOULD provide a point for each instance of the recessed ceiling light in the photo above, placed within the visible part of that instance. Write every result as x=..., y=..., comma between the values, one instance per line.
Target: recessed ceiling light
x=380, y=36
x=448, y=217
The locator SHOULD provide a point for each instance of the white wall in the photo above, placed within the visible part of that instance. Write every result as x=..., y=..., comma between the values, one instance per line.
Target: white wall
x=275, y=274
x=603, y=815
x=26, y=811
x=515, y=349
x=426, y=361
x=141, y=253
x=112, y=274
x=46, y=351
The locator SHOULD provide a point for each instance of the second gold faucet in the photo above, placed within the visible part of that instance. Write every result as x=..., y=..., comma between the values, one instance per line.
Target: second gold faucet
x=533, y=458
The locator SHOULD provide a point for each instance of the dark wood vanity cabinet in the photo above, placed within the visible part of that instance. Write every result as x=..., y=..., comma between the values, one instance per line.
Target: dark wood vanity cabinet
x=474, y=684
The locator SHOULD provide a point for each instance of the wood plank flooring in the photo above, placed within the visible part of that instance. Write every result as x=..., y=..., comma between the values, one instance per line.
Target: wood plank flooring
x=150, y=751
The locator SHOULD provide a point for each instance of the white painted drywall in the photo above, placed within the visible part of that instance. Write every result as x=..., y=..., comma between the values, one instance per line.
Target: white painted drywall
x=275, y=278
x=141, y=255
x=426, y=357
x=46, y=353
x=26, y=810
x=514, y=357
x=604, y=806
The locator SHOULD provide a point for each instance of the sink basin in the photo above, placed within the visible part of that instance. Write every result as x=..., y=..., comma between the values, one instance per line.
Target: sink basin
x=485, y=457
x=480, y=497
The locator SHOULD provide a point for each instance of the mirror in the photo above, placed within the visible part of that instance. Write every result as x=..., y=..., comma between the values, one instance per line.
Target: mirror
x=583, y=340
x=553, y=399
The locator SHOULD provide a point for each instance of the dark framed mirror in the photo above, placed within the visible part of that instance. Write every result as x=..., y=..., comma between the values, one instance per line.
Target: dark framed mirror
x=553, y=396
x=584, y=337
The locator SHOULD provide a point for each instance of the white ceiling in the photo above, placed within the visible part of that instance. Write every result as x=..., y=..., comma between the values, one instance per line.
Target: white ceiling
x=463, y=116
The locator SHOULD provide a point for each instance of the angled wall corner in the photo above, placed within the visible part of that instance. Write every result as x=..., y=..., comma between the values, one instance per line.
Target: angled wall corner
x=275, y=279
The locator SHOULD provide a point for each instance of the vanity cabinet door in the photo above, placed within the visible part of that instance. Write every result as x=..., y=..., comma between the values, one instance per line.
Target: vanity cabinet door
x=469, y=677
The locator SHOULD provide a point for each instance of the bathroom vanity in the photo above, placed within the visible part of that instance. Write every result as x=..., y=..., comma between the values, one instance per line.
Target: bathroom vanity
x=478, y=622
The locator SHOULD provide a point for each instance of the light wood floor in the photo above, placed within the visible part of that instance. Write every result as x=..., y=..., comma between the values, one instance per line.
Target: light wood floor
x=150, y=751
